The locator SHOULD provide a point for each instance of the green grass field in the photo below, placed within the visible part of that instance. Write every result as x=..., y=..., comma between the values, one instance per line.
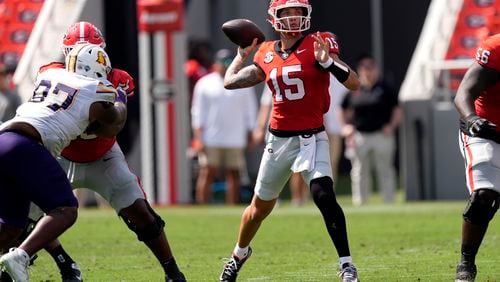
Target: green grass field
x=400, y=242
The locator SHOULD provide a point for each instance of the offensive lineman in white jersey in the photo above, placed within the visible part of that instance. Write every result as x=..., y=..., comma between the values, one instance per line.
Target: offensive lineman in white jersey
x=63, y=105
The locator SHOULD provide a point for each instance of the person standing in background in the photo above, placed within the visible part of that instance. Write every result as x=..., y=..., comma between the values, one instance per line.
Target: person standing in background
x=370, y=117
x=199, y=62
x=333, y=126
x=222, y=121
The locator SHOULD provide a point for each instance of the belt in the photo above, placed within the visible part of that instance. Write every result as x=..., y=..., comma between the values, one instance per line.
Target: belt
x=292, y=133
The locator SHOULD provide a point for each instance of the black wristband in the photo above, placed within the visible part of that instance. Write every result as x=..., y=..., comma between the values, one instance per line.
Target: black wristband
x=340, y=72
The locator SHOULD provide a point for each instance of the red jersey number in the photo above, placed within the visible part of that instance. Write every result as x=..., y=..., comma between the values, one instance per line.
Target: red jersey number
x=291, y=83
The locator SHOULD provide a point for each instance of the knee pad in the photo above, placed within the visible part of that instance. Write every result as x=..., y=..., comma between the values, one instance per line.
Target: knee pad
x=322, y=189
x=150, y=232
x=482, y=206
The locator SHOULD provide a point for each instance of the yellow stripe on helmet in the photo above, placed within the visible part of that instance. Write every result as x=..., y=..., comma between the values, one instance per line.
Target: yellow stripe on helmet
x=73, y=55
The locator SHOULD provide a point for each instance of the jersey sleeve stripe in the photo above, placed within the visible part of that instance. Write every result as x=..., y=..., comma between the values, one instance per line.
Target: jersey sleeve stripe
x=105, y=89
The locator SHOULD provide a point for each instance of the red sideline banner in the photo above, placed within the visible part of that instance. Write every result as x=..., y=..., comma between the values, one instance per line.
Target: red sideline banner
x=154, y=15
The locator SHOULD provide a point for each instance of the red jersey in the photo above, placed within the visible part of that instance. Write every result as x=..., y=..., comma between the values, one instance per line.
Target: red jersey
x=488, y=103
x=86, y=149
x=298, y=83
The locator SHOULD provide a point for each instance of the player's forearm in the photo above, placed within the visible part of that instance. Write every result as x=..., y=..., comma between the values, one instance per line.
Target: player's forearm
x=238, y=77
x=352, y=82
x=464, y=103
x=464, y=99
x=116, y=121
x=475, y=81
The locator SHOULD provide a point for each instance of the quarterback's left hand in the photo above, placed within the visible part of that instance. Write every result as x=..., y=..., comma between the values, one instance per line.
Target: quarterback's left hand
x=321, y=48
x=123, y=80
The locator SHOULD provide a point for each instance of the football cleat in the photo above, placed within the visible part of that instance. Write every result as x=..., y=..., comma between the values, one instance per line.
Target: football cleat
x=233, y=266
x=465, y=273
x=349, y=273
x=15, y=263
x=177, y=278
x=71, y=274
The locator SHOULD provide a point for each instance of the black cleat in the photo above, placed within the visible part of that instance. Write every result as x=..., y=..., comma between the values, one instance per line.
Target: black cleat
x=465, y=272
x=72, y=274
x=176, y=278
x=233, y=266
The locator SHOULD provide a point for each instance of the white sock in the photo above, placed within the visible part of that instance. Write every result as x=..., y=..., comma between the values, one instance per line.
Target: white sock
x=240, y=252
x=343, y=260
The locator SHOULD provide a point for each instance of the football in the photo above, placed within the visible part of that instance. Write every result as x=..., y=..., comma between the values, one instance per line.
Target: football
x=242, y=32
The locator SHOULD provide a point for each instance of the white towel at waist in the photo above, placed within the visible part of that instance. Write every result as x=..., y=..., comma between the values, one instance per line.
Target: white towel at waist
x=306, y=158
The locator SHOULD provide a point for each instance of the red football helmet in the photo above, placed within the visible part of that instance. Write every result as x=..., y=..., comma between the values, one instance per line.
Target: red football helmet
x=283, y=24
x=82, y=32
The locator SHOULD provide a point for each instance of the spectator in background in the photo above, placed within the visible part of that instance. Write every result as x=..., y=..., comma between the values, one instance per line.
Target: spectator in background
x=199, y=62
x=9, y=98
x=370, y=117
x=222, y=121
x=332, y=124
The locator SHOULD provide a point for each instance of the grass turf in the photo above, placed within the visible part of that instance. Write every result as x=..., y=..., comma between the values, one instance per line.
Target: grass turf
x=400, y=242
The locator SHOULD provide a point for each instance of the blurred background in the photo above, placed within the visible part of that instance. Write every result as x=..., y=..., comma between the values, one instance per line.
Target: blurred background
x=423, y=48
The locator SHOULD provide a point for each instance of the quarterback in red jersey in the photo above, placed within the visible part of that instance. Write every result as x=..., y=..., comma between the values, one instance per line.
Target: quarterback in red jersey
x=296, y=68
x=477, y=102
x=98, y=164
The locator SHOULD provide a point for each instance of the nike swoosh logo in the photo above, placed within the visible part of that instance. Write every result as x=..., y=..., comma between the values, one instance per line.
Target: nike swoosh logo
x=106, y=159
x=300, y=51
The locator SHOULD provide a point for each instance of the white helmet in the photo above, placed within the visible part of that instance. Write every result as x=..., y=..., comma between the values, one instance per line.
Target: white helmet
x=282, y=24
x=88, y=60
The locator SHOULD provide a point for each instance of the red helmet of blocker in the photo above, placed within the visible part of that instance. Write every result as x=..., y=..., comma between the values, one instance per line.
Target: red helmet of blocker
x=283, y=24
x=82, y=32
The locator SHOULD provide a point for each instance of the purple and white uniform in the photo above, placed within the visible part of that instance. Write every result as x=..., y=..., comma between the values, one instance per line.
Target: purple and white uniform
x=59, y=111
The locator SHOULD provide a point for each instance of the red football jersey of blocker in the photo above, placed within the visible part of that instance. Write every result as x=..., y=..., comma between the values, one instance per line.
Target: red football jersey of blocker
x=88, y=150
x=298, y=83
x=488, y=103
